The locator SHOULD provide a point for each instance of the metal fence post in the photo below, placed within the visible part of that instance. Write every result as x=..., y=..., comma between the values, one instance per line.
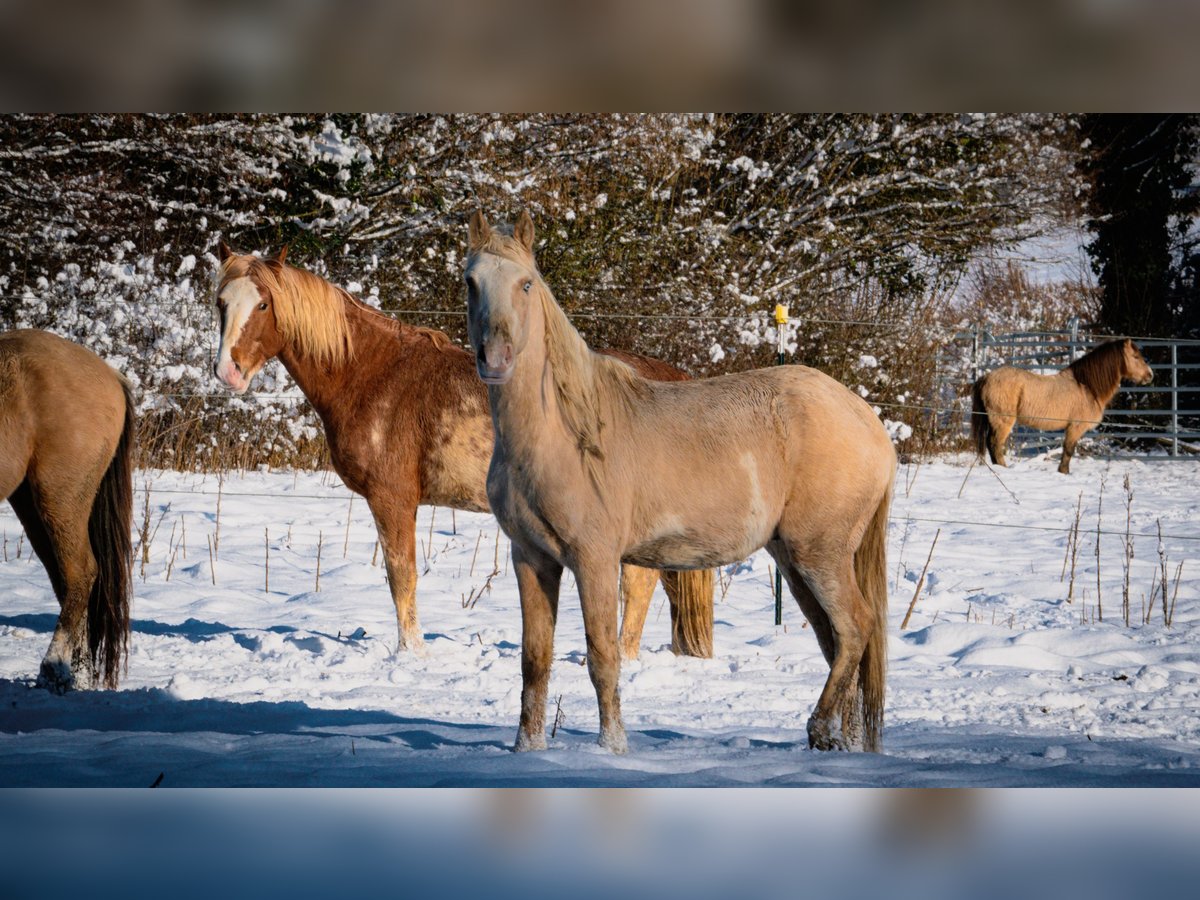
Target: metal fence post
x=975, y=354
x=1174, y=400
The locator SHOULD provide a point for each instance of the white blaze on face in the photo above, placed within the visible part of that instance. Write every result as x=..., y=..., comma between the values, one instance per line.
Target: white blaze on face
x=241, y=298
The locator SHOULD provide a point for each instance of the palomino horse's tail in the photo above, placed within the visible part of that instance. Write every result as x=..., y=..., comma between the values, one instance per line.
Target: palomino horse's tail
x=870, y=571
x=691, y=595
x=109, y=534
x=981, y=428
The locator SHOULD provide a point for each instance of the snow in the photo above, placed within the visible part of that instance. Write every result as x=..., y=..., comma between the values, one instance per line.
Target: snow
x=996, y=681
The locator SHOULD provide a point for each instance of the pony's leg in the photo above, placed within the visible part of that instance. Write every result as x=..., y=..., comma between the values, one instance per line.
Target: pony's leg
x=58, y=533
x=538, y=579
x=396, y=522
x=637, y=586
x=1074, y=432
x=1002, y=427
x=851, y=711
x=828, y=573
x=598, y=599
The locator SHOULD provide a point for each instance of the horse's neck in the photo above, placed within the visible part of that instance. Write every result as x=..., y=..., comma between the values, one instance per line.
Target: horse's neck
x=1105, y=396
x=527, y=412
x=327, y=385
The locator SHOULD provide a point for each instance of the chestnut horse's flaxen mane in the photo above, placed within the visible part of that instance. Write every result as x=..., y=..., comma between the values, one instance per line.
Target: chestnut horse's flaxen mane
x=309, y=311
x=1100, y=370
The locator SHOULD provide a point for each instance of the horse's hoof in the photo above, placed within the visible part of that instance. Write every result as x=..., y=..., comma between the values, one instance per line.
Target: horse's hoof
x=614, y=741
x=822, y=735
x=527, y=742
x=411, y=643
x=55, y=677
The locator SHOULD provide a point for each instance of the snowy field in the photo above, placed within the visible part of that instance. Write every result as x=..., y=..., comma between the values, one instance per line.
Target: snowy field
x=997, y=680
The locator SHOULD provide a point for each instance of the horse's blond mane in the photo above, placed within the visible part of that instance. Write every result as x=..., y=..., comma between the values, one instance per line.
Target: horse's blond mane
x=583, y=380
x=310, y=312
x=1100, y=370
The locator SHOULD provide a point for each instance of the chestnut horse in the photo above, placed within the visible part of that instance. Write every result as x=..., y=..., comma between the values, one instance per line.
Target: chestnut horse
x=1072, y=400
x=66, y=442
x=406, y=421
x=594, y=466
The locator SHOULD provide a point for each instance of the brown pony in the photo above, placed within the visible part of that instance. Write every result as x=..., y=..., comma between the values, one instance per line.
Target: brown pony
x=1073, y=399
x=594, y=466
x=406, y=421
x=66, y=441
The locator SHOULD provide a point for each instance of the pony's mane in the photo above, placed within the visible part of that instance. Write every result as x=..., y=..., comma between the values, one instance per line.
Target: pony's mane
x=1100, y=370
x=582, y=378
x=310, y=312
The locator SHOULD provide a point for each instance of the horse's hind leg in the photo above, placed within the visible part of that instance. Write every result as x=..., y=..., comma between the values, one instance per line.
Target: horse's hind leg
x=851, y=711
x=1002, y=427
x=58, y=532
x=538, y=579
x=637, y=586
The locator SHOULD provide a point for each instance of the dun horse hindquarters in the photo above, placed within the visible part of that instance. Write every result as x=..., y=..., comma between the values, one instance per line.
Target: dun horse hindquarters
x=594, y=465
x=66, y=440
x=1072, y=400
x=405, y=418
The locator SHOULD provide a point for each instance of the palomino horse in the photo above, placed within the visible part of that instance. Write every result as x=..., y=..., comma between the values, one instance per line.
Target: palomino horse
x=406, y=421
x=66, y=441
x=1073, y=399
x=594, y=465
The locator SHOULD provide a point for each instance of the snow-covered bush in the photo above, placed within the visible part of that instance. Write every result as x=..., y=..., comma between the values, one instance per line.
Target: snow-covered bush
x=671, y=235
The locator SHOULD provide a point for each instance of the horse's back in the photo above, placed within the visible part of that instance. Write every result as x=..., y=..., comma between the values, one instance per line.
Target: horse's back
x=763, y=439
x=62, y=395
x=1043, y=402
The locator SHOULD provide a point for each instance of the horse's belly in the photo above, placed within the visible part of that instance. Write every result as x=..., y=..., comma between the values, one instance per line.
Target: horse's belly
x=696, y=548
x=1041, y=423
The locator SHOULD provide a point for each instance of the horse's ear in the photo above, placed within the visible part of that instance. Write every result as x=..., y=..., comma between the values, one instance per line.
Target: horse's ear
x=478, y=231
x=223, y=251
x=523, y=230
x=282, y=254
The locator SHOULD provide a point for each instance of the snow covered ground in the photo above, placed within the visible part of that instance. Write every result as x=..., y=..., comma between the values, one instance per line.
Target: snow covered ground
x=996, y=681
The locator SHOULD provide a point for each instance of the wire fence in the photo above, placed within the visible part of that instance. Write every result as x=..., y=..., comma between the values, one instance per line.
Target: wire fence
x=344, y=494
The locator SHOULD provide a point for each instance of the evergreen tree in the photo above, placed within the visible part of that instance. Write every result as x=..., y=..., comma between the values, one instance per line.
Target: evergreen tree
x=1140, y=207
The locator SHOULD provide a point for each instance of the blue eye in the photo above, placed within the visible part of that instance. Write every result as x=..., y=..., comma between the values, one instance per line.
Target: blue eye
x=527, y=286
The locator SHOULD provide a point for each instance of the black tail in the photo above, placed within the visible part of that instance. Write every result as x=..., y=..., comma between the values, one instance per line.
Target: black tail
x=981, y=428
x=109, y=534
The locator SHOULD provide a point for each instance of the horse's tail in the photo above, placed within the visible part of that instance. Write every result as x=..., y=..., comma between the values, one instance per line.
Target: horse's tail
x=691, y=595
x=870, y=571
x=981, y=427
x=109, y=535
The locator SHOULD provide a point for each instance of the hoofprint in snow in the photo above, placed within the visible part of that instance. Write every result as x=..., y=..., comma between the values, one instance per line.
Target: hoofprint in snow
x=997, y=680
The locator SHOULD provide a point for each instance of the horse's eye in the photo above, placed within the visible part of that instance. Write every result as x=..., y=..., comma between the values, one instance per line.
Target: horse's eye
x=526, y=286
x=262, y=306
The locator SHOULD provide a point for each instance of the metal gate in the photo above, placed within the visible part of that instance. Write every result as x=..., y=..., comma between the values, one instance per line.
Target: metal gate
x=1165, y=414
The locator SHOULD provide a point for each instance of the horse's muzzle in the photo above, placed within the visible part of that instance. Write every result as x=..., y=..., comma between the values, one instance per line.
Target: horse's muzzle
x=230, y=375
x=494, y=362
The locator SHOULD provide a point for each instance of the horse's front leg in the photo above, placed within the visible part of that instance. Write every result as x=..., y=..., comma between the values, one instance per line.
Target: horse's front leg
x=598, y=597
x=538, y=579
x=396, y=522
x=1070, y=439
